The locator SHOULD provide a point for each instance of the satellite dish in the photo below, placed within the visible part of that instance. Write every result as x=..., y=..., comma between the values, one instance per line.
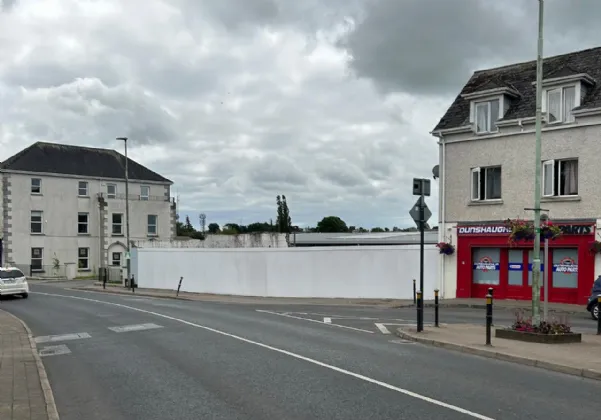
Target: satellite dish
x=435, y=172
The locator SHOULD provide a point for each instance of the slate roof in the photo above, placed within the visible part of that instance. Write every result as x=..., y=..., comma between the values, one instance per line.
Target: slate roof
x=77, y=160
x=521, y=77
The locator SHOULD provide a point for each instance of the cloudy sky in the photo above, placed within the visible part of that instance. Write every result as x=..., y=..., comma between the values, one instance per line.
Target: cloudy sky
x=329, y=102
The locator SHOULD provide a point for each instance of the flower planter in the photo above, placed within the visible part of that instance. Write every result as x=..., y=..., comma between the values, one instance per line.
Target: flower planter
x=532, y=337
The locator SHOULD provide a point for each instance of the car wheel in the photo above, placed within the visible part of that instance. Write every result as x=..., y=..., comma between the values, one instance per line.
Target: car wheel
x=25, y=295
x=595, y=312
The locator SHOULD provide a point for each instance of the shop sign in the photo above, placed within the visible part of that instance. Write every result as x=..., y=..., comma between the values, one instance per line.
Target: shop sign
x=566, y=266
x=486, y=264
x=504, y=230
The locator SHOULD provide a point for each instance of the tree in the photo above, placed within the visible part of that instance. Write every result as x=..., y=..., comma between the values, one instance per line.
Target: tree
x=188, y=226
x=283, y=221
x=377, y=229
x=213, y=228
x=332, y=224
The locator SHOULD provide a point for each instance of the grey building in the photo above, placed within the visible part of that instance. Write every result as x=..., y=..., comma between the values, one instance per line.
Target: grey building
x=66, y=205
x=487, y=168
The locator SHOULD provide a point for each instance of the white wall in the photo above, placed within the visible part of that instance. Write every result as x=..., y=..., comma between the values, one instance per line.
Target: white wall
x=328, y=272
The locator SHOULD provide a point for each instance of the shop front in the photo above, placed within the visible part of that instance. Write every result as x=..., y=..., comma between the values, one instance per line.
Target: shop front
x=485, y=258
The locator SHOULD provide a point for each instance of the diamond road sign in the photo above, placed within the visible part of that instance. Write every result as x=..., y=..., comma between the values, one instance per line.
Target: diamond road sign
x=414, y=212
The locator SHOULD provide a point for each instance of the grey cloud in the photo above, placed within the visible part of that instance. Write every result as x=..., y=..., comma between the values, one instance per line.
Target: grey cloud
x=7, y=5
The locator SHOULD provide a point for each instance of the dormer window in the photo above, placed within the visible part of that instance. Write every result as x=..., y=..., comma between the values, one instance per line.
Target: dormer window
x=560, y=103
x=487, y=115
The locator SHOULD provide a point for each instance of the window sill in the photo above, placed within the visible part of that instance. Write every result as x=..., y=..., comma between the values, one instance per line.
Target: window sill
x=118, y=235
x=153, y=235
x=83, y=234
x=36, y=234
x=83, y=196
x=487, y=133
x=485, y=202
x=560, y=198
x=83, y=270
x=36, y=193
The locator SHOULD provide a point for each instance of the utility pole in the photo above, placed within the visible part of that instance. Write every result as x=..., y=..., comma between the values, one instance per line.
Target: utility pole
x=128, y=255
x=537, y=172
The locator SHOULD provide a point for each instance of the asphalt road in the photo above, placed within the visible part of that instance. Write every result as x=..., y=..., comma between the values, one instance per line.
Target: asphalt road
x=228, y=361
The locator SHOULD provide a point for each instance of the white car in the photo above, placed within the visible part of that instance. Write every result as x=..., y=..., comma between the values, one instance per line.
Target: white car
x=13, y=282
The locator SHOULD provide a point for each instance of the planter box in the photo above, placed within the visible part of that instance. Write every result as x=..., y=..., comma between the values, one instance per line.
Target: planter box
x=531, y=337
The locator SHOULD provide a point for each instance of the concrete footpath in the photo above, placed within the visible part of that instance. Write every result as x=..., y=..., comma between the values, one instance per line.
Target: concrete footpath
x=580, y=359
x=25, y=392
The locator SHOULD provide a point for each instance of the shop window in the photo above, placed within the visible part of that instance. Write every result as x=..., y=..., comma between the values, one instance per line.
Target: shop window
x=485, y=265
x=565, y=268
x=486, y=183
x=516, y=267
x=542, y=267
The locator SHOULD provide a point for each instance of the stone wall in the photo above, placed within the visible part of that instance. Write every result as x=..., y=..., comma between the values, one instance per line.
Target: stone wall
x=249, y=240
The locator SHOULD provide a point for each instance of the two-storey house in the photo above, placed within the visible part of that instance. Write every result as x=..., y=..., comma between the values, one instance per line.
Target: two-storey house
x=65, y=205
x=487, y=167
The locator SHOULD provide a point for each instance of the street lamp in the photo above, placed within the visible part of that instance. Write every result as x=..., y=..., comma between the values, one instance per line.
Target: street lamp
x=537, y=171
x=127, y=256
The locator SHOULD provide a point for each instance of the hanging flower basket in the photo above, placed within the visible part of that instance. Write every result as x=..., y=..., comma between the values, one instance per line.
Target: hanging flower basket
x=594, y=247
x=522, y=230
x=445, y=248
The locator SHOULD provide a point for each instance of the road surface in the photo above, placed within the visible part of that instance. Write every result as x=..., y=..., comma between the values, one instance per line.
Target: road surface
x=120, y=358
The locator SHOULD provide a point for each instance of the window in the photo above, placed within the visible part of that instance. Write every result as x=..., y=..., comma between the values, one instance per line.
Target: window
x=487, y=115
x=116, y=259
x=486, y=264
x=82, y=223
x=82, y=189
x=11, y=274
x=486, y=183
x=152, y=224
x=117, y=224
x=560, y=177
x=37, y=256
x=560, y=102
x=144, y=192
x=36, y=186
x=83, y=258
x=36, y=222
x=111, y=190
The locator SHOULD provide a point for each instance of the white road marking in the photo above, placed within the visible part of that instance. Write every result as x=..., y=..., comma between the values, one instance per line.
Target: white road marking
x=327, y=320
x=136, y=327
x=291, y=354
x=313, y=320
x=54, y=350
x=384, y=330
x=63, y=337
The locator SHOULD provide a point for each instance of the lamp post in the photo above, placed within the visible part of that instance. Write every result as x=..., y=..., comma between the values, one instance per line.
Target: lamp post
x=127, y=256
x=537, y=171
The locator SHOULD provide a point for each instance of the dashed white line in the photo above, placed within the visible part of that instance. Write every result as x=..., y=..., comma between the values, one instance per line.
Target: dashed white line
x=54, y=350
x=135, y=327
x=312, y=320
x=62, y=337
x=291, y=354
x=327, y=320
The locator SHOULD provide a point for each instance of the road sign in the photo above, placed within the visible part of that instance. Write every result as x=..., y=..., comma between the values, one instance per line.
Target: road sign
x=414, y=212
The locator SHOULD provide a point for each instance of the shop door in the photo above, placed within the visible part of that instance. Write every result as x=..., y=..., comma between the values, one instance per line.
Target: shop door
x=486, y=270
x=564, y=277
x=516, y=275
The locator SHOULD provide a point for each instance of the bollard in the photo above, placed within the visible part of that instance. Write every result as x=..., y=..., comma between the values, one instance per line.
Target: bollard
x=414, y=293
x=178, y=286
x=133, y=284
x=492, y=296
x=420, y=311
x=488, y=318
x=104, y=276
x=598, y=315
x=436, y=307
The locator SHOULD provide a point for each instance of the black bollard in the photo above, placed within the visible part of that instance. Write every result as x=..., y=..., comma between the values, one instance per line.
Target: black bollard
x=492, y=295
x=420, y=311
x=414, y=293
x=488, y=318
x=179, y=286
x=436, y=307
x=133, y=284
x=104, y=277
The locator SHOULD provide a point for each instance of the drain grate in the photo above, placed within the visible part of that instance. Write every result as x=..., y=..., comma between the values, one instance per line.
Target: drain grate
x=54, y=350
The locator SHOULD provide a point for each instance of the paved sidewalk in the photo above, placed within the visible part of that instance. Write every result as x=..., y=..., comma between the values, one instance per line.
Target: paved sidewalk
x=580, y=359
x=24, y=389
x=506, y=304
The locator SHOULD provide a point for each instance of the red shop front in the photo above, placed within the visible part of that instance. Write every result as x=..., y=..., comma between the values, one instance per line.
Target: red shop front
x=485, y=258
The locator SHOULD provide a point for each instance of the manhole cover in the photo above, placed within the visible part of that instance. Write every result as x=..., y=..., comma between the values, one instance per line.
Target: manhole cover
x=54, y=350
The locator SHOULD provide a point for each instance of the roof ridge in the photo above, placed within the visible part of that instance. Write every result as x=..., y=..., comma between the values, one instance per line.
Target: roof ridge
x=534, y=61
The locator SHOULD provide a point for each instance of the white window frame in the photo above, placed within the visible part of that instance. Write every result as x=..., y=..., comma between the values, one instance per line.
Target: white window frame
x=108, y=193
x=555, y=187
x=83, y=186
x=113, y=259
x=113, y=225
x=487, y=103
x=155, y=225
x=38, y=187
x=40, y=214
x=86, y=223
x=477, y=175
x=144, y=188
x=40, y=259
x=560, y=90
x=85, y=259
